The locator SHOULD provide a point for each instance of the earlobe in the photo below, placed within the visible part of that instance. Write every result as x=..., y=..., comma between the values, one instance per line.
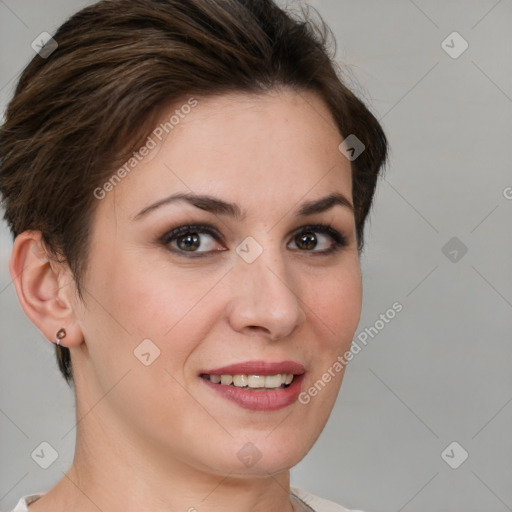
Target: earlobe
x=44, y=288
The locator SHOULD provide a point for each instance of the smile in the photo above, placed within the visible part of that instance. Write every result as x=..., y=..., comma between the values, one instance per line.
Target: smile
x=257, y=385
x=256, y=382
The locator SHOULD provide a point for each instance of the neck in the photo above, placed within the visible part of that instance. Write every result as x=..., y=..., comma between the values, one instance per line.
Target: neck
x=122, y=474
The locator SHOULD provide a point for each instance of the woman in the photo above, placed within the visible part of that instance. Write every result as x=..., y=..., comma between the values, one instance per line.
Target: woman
x=187, y=183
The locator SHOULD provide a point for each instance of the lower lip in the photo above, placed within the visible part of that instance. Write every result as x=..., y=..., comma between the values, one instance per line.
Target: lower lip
x=268, y=400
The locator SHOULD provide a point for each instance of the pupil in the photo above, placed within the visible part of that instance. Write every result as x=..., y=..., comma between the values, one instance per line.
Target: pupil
x=307, y=240
x=190, y=241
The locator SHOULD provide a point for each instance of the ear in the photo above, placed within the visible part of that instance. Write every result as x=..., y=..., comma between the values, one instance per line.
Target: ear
x=45, y=289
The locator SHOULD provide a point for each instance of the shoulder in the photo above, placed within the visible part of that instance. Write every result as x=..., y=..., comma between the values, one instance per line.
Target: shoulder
x=25, y=501
x=318, y=504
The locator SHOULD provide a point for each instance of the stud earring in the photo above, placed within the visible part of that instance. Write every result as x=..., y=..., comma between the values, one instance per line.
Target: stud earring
x=60, y=334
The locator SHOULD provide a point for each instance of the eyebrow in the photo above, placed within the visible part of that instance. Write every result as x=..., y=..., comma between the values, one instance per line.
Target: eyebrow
x=219, y=207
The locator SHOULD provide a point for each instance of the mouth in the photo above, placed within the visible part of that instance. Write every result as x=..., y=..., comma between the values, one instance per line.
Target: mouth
x=257, y=385
x=252, y=382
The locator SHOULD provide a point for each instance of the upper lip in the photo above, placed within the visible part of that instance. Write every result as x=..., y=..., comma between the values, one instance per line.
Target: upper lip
x=258, y=368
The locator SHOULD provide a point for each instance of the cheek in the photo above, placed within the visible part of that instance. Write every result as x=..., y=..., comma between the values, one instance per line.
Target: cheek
x=150, y=298
x=149, y=292
x=335, y=306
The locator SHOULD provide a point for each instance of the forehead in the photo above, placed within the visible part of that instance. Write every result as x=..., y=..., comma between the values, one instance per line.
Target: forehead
x=272, y=147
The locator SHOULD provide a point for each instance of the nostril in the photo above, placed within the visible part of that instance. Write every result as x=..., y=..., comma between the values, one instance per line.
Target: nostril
x=258, y=328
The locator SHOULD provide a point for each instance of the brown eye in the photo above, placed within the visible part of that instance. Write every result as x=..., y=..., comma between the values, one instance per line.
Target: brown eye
x=193, y=239
x=319, y=239
x=189, y=242
x=306, y=241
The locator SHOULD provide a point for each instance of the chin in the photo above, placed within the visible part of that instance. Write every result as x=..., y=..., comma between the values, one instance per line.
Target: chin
x=261, y=456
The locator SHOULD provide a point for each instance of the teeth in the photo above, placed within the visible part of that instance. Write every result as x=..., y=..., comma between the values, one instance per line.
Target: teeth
x=239, y=381
x=256, y=381
x=274, y=381
x=226, y=379
x=253, y=381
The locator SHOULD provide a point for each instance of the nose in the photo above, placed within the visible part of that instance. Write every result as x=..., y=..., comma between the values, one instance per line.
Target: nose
x=265, y=299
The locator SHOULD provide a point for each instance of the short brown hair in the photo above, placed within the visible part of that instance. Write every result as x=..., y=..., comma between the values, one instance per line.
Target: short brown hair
x=81, y=111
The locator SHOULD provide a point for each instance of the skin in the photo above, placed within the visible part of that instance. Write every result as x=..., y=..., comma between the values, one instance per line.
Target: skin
x=157, y=431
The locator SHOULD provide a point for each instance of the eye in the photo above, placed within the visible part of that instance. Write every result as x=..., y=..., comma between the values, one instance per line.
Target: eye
x=197, y=240
x=330, y=240
x=193, y=239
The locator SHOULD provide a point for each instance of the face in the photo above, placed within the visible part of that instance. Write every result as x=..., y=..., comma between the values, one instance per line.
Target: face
x=261, y=279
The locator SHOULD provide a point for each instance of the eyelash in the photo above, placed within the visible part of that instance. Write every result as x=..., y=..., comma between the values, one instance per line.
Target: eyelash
x=339, y=240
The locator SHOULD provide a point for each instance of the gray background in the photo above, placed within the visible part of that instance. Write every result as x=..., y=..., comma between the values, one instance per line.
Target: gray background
x=440, y=371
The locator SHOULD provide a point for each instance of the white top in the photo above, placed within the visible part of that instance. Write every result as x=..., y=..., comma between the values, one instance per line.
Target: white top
x=306, y=501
